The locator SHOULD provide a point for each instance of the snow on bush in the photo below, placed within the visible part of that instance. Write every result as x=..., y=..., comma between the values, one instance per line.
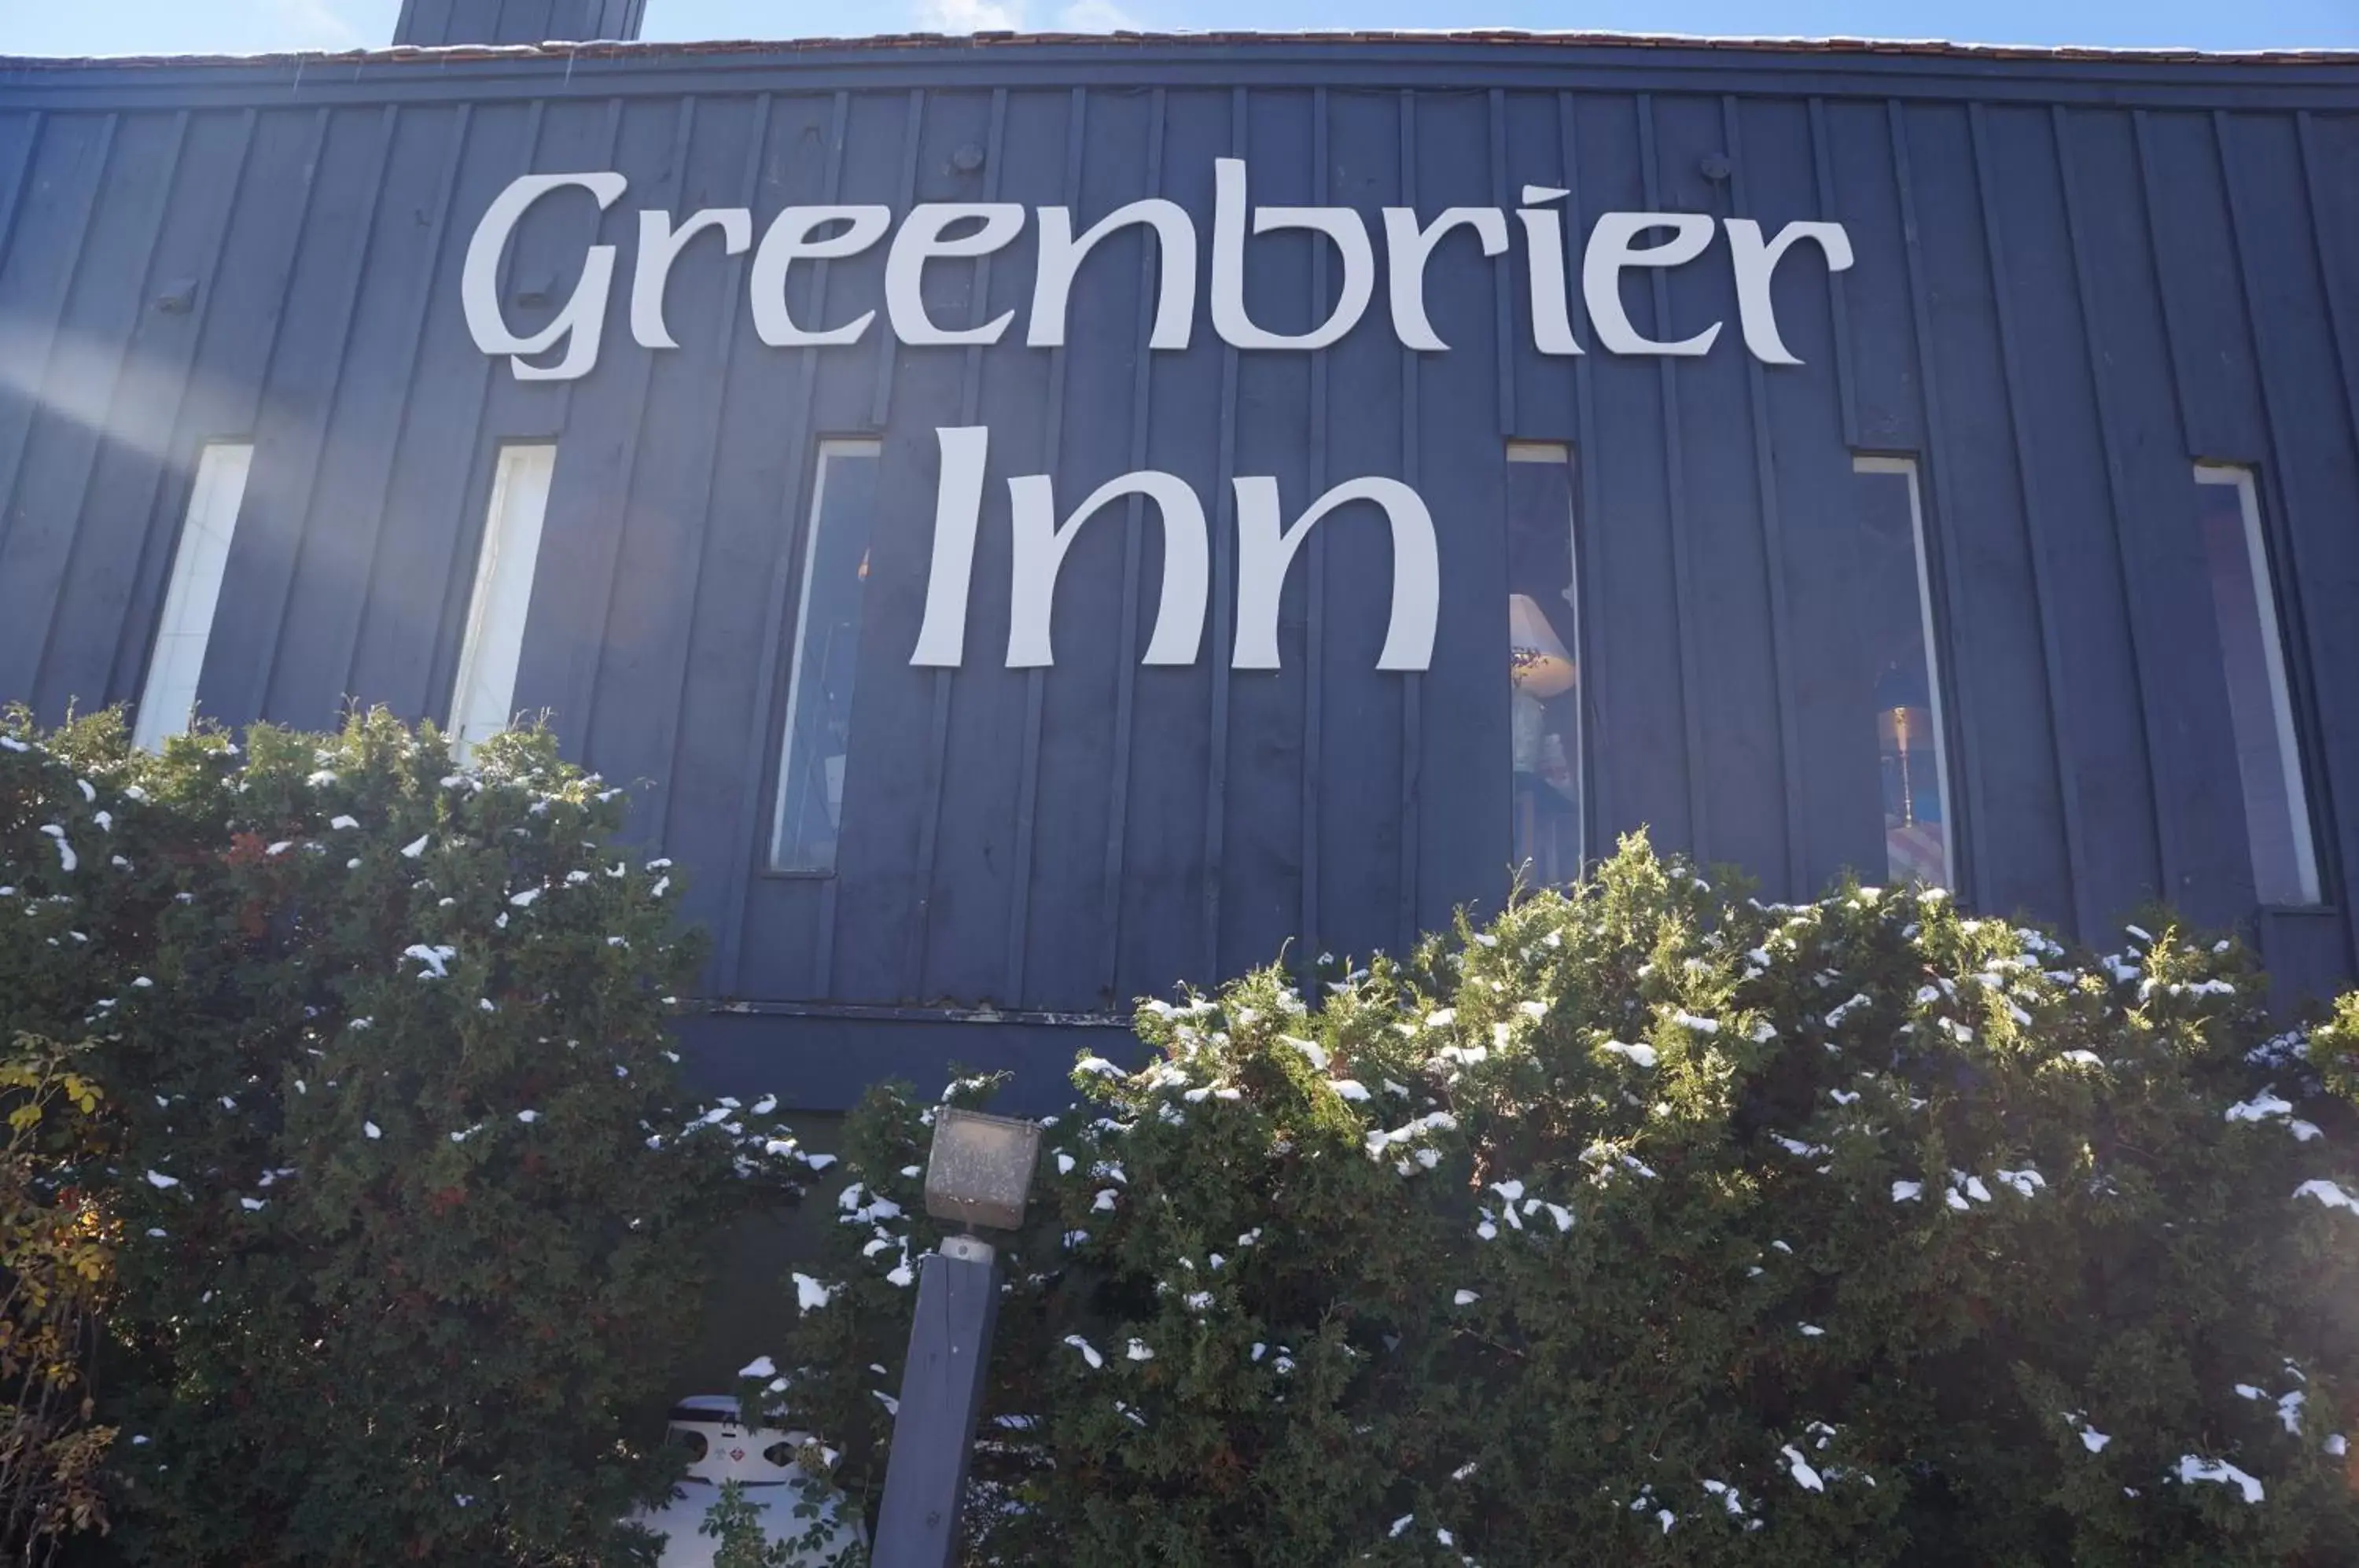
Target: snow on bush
x=1652, y=1224
x=413, y=1210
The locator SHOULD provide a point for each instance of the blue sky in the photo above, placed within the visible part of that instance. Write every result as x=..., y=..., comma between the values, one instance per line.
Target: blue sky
x=118, y=27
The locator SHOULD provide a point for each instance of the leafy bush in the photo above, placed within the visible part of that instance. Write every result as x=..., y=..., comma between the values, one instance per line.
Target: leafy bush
x=1651, y=1225
x=415, y=1212
x=57, y=1270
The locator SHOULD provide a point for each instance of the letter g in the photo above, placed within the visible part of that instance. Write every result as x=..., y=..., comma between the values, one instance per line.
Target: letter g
x=579, y=325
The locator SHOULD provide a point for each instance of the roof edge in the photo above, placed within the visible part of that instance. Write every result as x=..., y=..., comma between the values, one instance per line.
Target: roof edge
x=986, y=42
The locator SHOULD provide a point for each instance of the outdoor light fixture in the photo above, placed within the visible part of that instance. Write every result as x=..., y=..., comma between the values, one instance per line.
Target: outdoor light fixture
x=981, y=1168
x=979, y=1174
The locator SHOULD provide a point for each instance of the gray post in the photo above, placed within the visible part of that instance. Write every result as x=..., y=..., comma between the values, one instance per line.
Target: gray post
x=941, y=1395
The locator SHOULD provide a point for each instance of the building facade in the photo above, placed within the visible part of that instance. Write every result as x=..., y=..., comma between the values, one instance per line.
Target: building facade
x=1041, y=520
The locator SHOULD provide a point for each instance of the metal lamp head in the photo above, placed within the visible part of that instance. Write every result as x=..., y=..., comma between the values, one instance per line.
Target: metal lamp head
x=980, y=1169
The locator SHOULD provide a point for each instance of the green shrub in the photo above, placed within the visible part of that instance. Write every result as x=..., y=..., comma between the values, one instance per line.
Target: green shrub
x=1652, y=1226
x=58, y=1240
x=415, y=1209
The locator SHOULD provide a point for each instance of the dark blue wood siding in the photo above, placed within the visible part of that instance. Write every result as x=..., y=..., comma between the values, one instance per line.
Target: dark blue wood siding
x=2074, y=280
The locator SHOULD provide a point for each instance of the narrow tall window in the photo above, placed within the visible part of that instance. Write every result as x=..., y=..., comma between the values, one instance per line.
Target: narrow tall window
x=1543, y=634
x=482, y=700
x=1894, y=615
x=2251, y=654
x=827, y=655
x=169, y=700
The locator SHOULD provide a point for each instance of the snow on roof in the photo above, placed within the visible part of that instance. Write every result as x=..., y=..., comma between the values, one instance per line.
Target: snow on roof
x=1115, y=41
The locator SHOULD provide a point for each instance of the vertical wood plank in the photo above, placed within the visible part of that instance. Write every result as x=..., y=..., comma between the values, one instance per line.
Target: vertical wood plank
x=1958, y=674
x=374, y=497
x=1314, y=723
x=287, y=563
x=1412, y=791
x=1224, y=587
x=2027, y=470
x=2162, y=777
x=970, y=404
x=1127, y=651
x=748, y=844
x=39, y=341
x=113, y=425
x=1790, y=745
x=1675, y=519
x=1022, y=870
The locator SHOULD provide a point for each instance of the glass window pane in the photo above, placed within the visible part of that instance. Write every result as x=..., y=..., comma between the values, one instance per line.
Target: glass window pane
x=2268, y=760
x=827, y=651
x=1543, y=659
x=1895, y=606
x=169, y=700
x=483, y=697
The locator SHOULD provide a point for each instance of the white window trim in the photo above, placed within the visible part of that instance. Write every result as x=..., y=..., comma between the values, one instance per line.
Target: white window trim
x=2289, y=768
x=828, y=452
x=483, y=693
x=167, y=699
x=1906, y=468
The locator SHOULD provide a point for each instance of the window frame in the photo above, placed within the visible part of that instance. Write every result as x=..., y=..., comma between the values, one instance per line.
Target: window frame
x=1565, y=454
x=493, y=544
x=823, y=449
x=1932, y=618
x=2287, y=703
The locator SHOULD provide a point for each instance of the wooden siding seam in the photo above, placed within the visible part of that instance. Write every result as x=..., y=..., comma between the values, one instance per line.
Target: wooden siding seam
x=1765, y=479
x=913, y=142
x=929, y=826
x=2035, y=510
x=1594, y=811
x=1683, y=582
x=1314, y=705
x=1225, y=525
x=264, y=676
x=2162, y=775
x=144, y=612
x=589, y=669
x=765, y=723
x=2284, y=540
x=36, y=122
x=1412, y=683
x=2334, y=280
x=413, y=349
x=2180, y=378
x=1502, y=271
x=1954, y=672
x=1127, y=653
x=697, y=517
x=37, y=396
x=102, y=437
x=1028, y=787
x=1823, y=169
x=441, y=662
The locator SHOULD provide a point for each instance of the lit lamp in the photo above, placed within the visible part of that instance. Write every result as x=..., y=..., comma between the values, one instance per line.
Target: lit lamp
x=1541, y=667
x=979, y=1173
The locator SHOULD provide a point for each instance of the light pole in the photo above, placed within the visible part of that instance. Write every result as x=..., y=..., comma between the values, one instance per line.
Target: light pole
x=979, y=1174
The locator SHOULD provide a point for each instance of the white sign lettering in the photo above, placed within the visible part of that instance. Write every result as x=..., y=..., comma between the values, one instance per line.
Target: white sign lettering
x=957, y=230
x=567, y=346
x=1265, y=548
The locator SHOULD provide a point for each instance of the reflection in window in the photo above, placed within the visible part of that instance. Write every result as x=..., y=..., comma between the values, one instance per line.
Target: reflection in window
x=482, y=700
x=168, y=701
x=1543, y=631
x=2252, y=655
x=1895, y=607
x=827, y=650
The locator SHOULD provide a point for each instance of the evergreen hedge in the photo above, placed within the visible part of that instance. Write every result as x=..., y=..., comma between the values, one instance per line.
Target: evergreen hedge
x=1651, y=1225
x=414, y=1212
